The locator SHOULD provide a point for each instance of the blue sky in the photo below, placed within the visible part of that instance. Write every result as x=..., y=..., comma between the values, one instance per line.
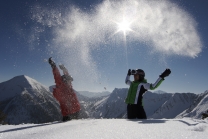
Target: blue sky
x=85, y=36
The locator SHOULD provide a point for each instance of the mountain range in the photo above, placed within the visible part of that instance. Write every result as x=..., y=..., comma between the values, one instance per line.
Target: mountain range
x=25, y=100
x=94, y=94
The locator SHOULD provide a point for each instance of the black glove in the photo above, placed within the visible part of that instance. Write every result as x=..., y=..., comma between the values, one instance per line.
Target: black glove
x=129, y=72
x=51, y=62
x=165, y=73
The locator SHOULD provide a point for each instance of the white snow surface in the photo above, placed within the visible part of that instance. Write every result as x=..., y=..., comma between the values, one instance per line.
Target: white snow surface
x=110, y=129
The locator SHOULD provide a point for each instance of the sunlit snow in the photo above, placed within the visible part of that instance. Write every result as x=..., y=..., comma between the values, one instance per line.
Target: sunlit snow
x=110, y=129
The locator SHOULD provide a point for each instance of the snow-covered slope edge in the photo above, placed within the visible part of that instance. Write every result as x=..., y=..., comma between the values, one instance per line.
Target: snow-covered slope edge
x=110, y=129
x=199, y=106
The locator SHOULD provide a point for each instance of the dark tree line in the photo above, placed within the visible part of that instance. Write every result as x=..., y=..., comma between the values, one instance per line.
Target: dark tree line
x=2, y=117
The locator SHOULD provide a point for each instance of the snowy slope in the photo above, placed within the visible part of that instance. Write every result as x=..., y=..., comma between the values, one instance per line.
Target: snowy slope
x=177, y=103
x=153, y=101
x=25, y=108
x=110, y=129
x=24, y=100
x=18, y=84
x=112, y=106
x=157, y=105
x=200, y=106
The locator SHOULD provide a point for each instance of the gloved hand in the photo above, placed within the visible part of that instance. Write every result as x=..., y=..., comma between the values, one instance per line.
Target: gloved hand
x=51, y=62
x=129, y=72
x=61, y=67
x=165, y=73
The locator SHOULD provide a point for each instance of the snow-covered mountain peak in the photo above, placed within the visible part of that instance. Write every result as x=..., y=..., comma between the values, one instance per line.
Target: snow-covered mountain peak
x=30, y=82
x=160, y=92
x=24, y=100
x=17, y=85
x=22, y=79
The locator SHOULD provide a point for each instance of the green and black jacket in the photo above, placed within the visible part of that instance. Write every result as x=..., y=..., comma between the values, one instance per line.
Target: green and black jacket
x=138, y=88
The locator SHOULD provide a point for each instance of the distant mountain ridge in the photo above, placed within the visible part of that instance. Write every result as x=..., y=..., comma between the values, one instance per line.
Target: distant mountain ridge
x=88, y=93
x=199, y=106
x=18, y=84
x=24, y=100
x=173, y=106
x=156, y=105
x=94, y=94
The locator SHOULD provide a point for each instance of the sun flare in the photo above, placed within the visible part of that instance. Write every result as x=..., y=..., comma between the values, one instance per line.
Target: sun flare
x=124, y=26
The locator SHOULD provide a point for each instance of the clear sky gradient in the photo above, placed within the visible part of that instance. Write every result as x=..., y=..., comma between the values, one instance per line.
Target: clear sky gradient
x=92, y=41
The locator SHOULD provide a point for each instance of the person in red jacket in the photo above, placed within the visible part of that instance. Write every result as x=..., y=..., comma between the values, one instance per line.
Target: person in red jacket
x=64, y=93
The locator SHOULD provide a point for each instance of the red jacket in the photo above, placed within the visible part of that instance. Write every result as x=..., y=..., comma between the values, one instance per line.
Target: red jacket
x=64, y=93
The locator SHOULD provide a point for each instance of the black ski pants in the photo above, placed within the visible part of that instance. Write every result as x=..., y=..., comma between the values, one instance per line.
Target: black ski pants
x=135, y=111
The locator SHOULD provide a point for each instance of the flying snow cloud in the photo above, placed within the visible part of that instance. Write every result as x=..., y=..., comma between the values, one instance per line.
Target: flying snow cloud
x=168, y=28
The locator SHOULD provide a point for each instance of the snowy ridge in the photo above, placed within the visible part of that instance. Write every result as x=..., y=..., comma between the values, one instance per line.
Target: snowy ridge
x=17, y=85
x=24, y=100
x=26, y=108
x=94, y=94
x=156, y=105
x=175, y=105
x=113, y=106
x=153, y=101
x=199, y=106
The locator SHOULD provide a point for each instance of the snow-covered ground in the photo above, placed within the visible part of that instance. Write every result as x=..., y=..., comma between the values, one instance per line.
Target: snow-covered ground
x=110, y=129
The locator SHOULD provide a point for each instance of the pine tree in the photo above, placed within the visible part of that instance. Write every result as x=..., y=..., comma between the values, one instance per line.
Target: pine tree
x=2, y=118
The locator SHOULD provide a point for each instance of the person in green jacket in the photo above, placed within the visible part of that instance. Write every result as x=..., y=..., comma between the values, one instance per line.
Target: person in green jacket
x=136, y=90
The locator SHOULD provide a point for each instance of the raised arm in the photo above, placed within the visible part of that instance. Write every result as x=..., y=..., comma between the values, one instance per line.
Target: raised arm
x=161, y=78
x=66, y=73
x=127, y=81
x=151, y=86
x=56, y=73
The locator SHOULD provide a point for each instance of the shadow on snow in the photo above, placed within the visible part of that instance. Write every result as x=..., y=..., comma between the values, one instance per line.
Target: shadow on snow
x=22, y=128
x=148, y=121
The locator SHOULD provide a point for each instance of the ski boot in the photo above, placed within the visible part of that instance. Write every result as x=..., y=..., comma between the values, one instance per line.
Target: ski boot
x=66, y=118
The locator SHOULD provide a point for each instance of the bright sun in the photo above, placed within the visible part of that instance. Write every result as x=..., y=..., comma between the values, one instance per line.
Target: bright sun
x=124, y=26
